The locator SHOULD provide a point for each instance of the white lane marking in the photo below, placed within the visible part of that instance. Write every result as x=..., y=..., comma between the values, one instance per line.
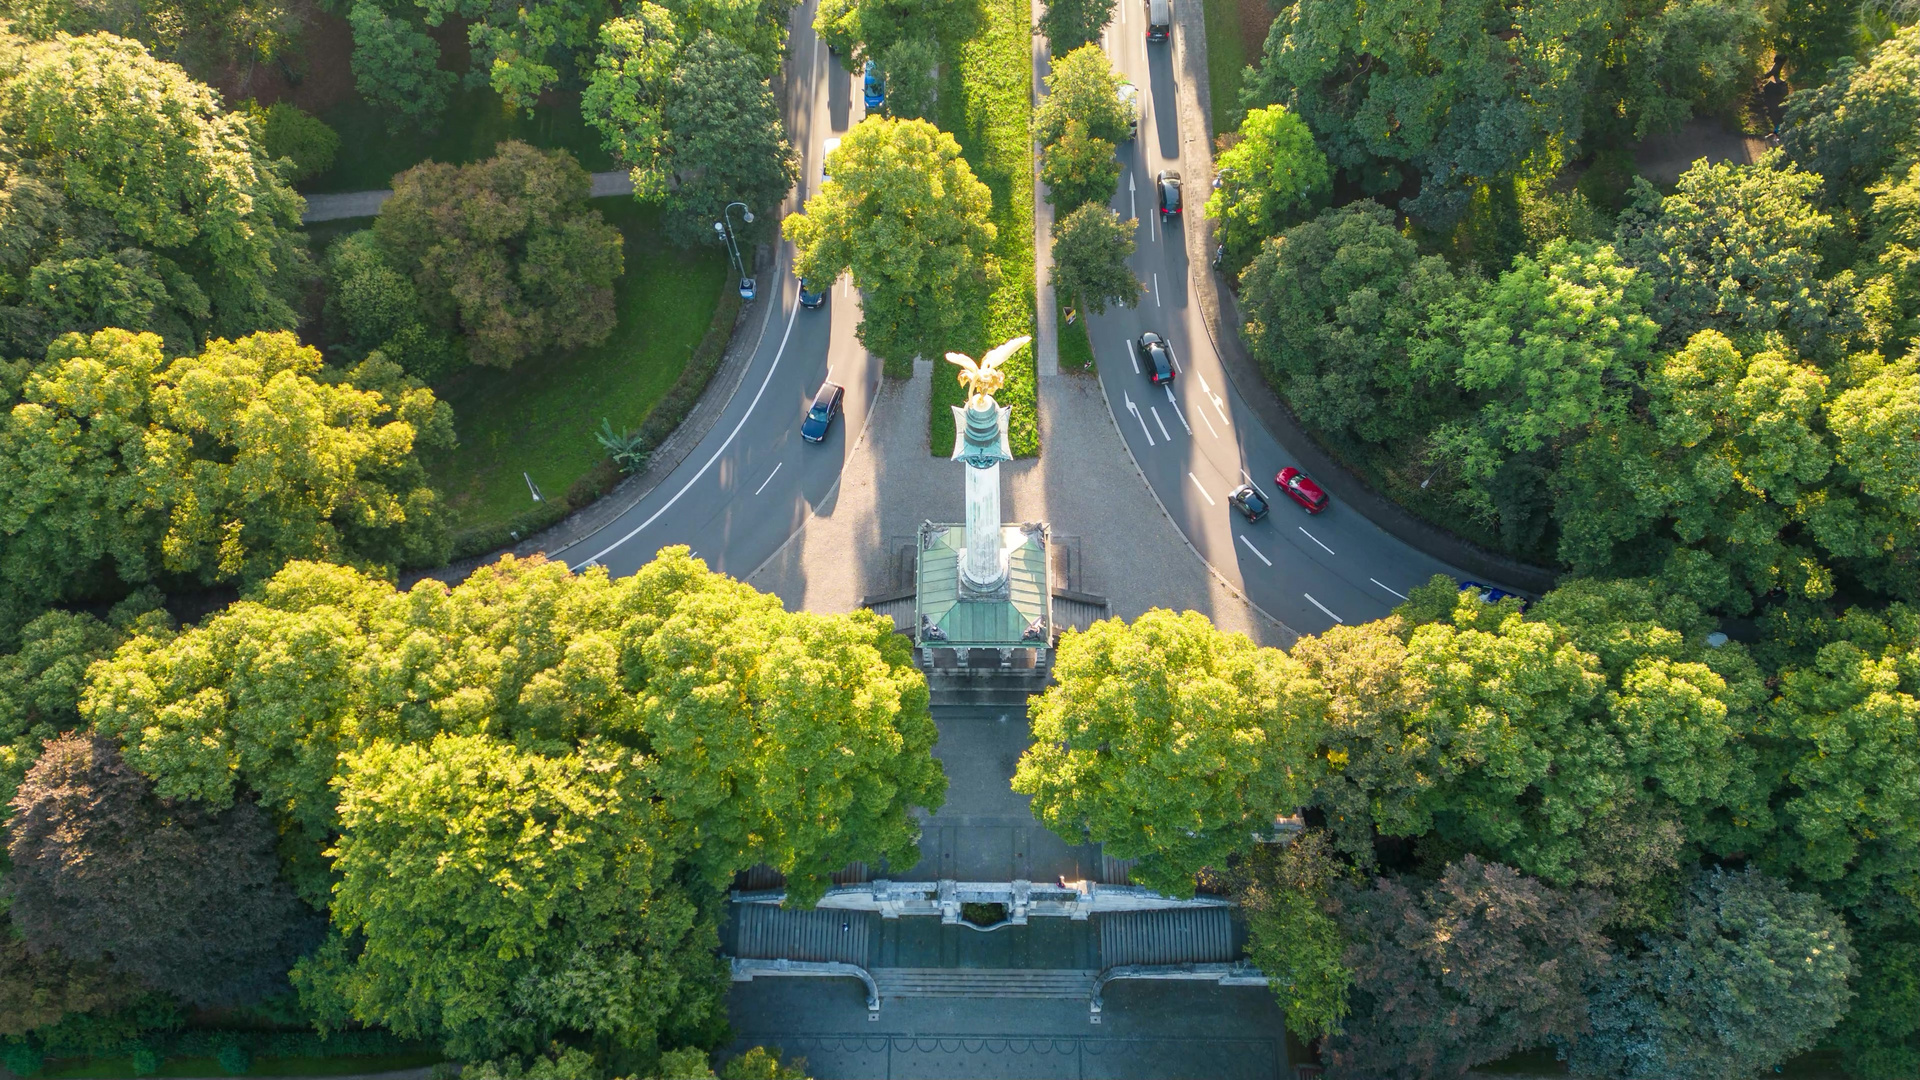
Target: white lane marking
x=1175, y=357
x=1171, y=400
x=731, y=435
x=1315, y=539
x=1155, y=227
x=1255, y=550
x=1203, y=489
x=1383, y=585
x=1213, y=397
x=1135, y=410
x=1323, y=607
x=1133, y=353
x=1162, y=423
x=769, y=479
x=1156, y=289
x=1123, y=14
x=1202, y=414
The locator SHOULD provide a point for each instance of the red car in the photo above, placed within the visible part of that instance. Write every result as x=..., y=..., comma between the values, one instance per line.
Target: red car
x=1301, y=489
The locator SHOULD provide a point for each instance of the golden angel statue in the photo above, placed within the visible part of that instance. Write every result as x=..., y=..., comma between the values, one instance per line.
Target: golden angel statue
x=983, y=378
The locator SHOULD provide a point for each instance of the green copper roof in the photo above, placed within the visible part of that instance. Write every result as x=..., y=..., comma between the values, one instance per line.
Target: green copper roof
x=983, y=623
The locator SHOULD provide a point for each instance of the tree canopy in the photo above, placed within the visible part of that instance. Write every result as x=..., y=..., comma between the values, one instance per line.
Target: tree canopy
x=1092, y=253
x=903, y=212
x=1268, y=180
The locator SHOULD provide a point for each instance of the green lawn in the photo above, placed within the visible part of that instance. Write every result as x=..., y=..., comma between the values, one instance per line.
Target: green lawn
x=984, y=102
x=476, y=119
x=1076, y=349
x=102, y=1068
x=540, y=417
x=1236, y=32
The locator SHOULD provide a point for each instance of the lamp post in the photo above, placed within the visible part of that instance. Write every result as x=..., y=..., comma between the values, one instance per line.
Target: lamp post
x=725, y=228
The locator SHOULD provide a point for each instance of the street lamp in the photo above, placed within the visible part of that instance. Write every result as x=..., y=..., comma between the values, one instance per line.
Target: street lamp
x=725, y=228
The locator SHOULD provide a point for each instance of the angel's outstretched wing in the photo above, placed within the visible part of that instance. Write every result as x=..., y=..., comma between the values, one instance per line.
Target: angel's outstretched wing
x=963, y=360
x=999, y=356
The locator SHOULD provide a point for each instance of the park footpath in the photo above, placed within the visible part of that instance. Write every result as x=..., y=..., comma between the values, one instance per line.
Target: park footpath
x=343, y=205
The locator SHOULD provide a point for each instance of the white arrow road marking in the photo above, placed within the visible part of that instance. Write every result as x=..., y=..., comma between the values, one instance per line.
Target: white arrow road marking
x=1383, y=585
x=1323, y=607
x=769, y=479
x=1135, y=410
x=1315, y=539
x=1213, y=397
x=1133, y=353
x=1171, y=400
x=1255, y=550
x=1203, y=489
x=1162, y=423
x=1132, y=210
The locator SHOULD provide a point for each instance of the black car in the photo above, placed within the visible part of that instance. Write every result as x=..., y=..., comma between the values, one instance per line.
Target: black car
x=1247, y=499
x=819, y=419
x=1159, y=20
x=810, y=295
x=1157, y=355
x=1169, y=184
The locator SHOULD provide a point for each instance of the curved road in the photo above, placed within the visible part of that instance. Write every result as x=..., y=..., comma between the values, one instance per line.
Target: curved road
x=1196, y=440
x=752, y=481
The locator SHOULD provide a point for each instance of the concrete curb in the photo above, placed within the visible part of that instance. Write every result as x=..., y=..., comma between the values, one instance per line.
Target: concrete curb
x=1216, y=304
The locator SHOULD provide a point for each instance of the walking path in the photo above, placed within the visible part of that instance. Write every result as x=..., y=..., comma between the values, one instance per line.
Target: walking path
x=340, y=205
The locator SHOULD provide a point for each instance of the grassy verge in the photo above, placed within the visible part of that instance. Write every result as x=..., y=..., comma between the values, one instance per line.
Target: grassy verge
x=984, y=102
x=1076, y=349
x=540, y=417
x=1236, y=32
x=288, y=1066
x=476, y=119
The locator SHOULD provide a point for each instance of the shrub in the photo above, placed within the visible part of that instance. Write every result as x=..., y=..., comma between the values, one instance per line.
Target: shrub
x=234, y=1058
x=300, y=137
x=21, y=1057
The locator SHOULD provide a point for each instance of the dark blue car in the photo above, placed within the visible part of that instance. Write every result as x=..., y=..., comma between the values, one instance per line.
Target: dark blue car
x=819, y=418
x=811, y=295
x=1491, y=595
x=874, y=87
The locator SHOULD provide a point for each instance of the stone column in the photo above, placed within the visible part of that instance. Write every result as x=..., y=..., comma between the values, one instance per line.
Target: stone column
x=980, y=440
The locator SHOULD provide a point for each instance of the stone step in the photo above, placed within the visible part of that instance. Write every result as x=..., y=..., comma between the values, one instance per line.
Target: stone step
x=1162, y=938
x=984, y=697
x=983, y=982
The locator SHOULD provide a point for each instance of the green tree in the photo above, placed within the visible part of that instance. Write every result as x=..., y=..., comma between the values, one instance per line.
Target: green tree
x=505, y=252
x=1695, y=55
x=1466, y=970
x=372, y=306
x=1879, y=1038
x=1332, y=308
x=909, y=67
x=1268, y=180
x=121, y=469
x=1070, y=24
x=38, y=989
x=1092, y=249
x=1082, y=86
x=905, y=214
x=1736, y=249
x=726, y=141
x=628, y=90
x=1749, y=975
x=1169, y=742
x=206, y=37
x=396, y=67
x=519, y=47
x=1889, y=298
x=1404, y=89
x=301, y=138
x=133, y=198
x=40, y=685
x=1079, y=170
x=1554, y=345
x=180, y=900
x=1292, y=934
x=1857, y=126
x=860, y=30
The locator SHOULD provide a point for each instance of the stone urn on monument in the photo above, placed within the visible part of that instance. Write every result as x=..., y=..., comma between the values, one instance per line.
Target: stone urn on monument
x=983, y=590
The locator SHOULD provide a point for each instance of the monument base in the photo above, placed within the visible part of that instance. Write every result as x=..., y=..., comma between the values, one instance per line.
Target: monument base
x=997, y=589
x=951, y=613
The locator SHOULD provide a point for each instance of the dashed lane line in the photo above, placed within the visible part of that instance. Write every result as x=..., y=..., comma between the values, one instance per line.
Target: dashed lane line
x=1323, y=607
x=1256, y=551
x=1203, y=489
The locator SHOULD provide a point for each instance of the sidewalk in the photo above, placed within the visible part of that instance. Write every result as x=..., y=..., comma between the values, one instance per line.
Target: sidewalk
x=339, y=205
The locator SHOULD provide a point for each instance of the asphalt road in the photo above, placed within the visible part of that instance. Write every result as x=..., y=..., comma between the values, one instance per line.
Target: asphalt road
x=752, y=481
x=1196, y=440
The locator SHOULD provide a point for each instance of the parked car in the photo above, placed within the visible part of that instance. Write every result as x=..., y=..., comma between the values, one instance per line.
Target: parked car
x=1168, y=183
x=1129, y=95
x=826, y=153
x=1301, y=489
x=819, y=418
x=873, y=86
x=1490, y=594
x=1159, y=20
x=1157, y=355
x=811, y=295
x=1250, y=501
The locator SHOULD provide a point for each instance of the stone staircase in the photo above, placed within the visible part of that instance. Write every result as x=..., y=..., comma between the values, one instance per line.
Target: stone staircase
x=1157, y=938
x=984, y=982
x=987, y=688
x=767, y=932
